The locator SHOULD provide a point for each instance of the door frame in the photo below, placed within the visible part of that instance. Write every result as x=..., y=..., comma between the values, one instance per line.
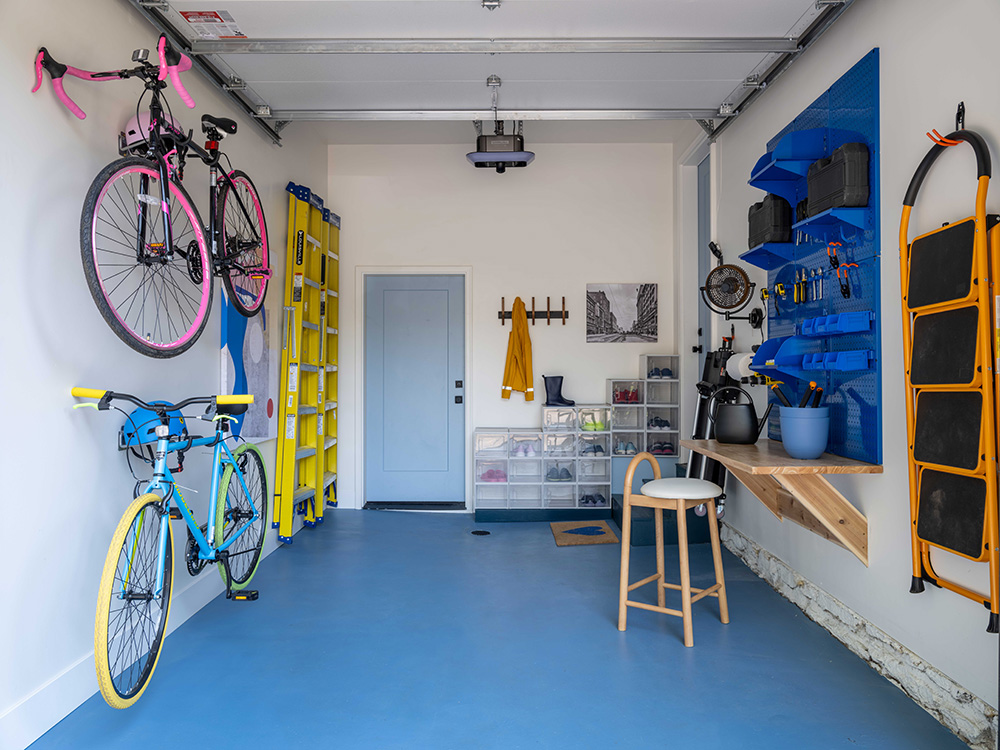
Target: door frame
x=360, y=274
x=687, y=299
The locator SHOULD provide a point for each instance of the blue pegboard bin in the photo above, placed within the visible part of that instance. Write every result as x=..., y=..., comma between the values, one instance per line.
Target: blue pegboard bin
x=832, y=325
x=847, y=112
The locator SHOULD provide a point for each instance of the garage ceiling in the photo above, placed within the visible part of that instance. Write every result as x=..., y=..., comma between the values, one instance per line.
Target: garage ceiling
x=557, y=59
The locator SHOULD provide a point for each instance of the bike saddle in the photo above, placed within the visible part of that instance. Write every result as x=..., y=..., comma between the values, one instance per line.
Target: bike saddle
x=224, y=124
x=231, y=409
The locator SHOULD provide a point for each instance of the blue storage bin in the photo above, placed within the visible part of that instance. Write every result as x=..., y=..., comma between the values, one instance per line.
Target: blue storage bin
x=831, y=325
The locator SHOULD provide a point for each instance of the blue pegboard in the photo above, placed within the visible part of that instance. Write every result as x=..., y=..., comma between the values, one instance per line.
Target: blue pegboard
x=846, y=112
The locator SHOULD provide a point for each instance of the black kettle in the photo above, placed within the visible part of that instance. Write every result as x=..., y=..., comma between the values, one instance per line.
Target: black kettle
x=735, y=422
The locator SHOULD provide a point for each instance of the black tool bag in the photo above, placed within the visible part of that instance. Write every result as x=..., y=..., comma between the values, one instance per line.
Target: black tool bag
x=840, y=180
x=770, y=221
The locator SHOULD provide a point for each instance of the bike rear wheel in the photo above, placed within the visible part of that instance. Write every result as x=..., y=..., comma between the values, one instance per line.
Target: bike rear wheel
x=235, y=508
x=131, y=617
x=243, y=243
x=154, y=297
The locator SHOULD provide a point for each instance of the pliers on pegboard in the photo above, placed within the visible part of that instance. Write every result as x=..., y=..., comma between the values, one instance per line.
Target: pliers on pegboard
x=845, y=288
x=832, y=256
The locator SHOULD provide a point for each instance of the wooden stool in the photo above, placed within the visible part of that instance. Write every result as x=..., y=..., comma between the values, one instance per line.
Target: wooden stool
x=677, y=495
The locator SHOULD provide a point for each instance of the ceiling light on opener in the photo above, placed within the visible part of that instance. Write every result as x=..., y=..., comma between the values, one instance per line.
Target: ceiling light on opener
x=499, y=151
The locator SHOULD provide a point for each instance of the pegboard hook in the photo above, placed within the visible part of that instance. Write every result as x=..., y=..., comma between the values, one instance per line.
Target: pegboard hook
x=940, y=140
x=960, y=116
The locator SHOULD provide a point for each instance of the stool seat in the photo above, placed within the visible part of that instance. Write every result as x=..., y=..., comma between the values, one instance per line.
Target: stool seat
x=677, y=496
x=681, y=489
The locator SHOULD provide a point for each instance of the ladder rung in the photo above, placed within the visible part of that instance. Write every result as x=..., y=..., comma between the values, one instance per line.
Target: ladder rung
x=333, y=255
x=331, y=405
x=304, y=453
x=329, y=443
x=313, y=284
x=303, y=493
x=312, y=240
x=331, y=330
x=310, y=326
x=307, y=410
x=331, y=368
x=331, y=292
x=309, y=368
x=329, y=478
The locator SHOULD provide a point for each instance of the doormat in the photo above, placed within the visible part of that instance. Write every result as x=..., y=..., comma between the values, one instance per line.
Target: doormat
x=572, y=533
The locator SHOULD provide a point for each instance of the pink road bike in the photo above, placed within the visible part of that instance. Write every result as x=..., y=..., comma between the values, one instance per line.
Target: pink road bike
x=148, y=258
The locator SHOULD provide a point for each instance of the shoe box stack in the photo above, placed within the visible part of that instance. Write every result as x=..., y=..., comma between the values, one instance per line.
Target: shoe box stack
x=565, y=465
x=568, y=463
x=644, y=411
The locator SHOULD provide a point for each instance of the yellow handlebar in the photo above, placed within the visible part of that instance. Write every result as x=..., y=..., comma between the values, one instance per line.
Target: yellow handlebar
x=236, y=398
x=87, y=393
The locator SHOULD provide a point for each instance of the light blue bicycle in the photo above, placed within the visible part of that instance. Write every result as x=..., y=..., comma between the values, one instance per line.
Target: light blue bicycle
x=134, y=600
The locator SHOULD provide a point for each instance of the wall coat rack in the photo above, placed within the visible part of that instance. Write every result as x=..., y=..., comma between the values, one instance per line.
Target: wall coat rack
x=548, y=315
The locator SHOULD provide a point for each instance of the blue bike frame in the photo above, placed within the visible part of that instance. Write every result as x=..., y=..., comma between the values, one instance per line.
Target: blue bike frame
x=163, y=484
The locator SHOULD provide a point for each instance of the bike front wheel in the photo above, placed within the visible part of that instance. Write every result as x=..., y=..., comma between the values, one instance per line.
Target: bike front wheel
x=155, y=294
x=131, y=614
x=243, y=249
x=238, y=502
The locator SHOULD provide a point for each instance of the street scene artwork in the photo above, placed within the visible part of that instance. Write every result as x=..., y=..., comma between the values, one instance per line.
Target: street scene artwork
x=618, y=313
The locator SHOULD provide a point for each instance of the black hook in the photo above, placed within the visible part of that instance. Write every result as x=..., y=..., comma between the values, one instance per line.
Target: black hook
x=960, y=116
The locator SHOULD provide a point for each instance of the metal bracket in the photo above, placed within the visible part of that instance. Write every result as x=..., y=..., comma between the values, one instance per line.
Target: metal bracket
x=707, y=125
x=235, y=84
x=161, y=5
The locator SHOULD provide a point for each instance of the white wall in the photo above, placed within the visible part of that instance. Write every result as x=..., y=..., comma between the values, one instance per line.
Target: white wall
x=930, y=60
x=580, y=213
x=63, y=484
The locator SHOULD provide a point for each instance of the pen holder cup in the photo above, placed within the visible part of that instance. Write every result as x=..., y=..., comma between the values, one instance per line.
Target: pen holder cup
x=804, y=432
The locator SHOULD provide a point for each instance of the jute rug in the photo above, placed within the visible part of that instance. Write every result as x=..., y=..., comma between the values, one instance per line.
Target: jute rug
x=571, y=533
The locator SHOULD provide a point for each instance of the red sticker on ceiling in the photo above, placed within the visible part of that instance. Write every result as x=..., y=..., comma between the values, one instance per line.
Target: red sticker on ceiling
x=213, y=24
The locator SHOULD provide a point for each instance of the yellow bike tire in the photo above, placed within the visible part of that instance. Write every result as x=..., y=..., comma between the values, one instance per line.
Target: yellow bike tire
x=130, y=558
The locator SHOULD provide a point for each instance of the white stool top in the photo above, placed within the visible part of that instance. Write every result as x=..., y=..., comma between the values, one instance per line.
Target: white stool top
x=681, y=489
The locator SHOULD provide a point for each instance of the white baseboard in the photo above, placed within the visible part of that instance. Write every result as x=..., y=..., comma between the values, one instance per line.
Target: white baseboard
x=970, y=718
x=36, y=713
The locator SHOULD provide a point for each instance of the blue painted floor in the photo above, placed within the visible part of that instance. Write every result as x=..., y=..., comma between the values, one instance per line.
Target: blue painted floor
x=400, y=630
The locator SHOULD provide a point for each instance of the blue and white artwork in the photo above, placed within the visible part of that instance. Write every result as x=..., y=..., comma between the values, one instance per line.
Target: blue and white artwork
x=250, y=365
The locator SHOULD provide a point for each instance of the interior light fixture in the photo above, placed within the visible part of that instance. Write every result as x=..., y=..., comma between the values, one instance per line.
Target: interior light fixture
x=500, y=150
x=491, y=4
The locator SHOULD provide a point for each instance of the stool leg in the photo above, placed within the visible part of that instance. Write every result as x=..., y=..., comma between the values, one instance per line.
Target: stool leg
x=682, y=547
x=713, y=530
x=626, y=548
x=661, y=596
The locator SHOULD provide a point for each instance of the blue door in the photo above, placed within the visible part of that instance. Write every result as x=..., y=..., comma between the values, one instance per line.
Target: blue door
x=414, y=389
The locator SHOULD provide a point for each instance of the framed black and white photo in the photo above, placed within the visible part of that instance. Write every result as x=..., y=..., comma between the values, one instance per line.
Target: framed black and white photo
x=619, y=313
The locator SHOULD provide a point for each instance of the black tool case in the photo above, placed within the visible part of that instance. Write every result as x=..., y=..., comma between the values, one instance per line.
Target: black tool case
x=840, y=180
x=770, y=221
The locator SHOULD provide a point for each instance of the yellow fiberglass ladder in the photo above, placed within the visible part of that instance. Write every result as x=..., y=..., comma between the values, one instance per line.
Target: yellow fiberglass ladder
x=307, y=442
x=951, y=418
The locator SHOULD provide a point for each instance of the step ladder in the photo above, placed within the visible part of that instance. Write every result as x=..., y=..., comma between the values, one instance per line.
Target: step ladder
x=306, y=478
x=951, y=385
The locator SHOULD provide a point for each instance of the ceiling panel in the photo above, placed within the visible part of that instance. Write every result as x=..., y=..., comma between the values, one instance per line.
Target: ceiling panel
x=449, y=95
x=514, y=18
x=512, y=69
x=328, y=59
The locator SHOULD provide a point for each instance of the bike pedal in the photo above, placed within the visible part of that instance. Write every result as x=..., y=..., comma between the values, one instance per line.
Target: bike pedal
x=246, y=595
x=175, y=514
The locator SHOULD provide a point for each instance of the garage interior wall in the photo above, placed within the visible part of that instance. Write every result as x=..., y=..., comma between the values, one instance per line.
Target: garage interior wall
x=581, y=213
x=63, y=483
x=929, y=62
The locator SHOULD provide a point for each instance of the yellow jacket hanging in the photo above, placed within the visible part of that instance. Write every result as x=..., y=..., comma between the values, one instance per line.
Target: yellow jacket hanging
x=517, y=373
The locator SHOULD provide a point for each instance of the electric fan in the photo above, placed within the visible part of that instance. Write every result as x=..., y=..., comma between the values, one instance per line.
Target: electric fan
x=728, y=290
